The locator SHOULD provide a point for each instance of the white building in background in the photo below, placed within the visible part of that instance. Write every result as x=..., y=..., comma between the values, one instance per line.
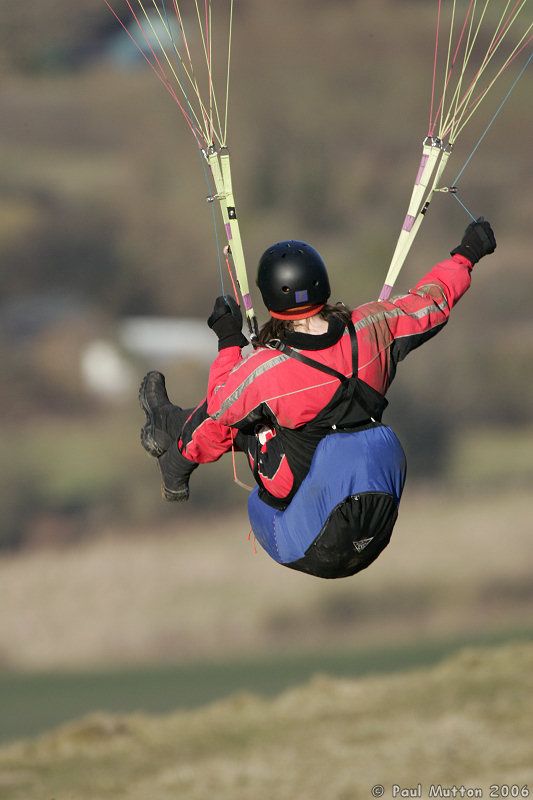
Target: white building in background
x=105, y=372
x=106, y=367
x=168, y=339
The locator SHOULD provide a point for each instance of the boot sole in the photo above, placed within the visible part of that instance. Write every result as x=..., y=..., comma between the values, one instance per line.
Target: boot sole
x=178, y=496
x=148, y=440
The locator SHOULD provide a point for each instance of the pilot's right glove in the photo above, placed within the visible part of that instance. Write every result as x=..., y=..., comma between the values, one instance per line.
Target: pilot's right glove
x=226, y=322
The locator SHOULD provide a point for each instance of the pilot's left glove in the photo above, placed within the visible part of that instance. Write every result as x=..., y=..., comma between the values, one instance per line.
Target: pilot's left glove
x=226, y=322
x=478, y=241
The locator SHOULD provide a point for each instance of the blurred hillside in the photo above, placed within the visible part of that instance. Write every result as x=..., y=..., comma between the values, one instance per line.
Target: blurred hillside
x=464, y=723
x=103, y=216
x=455, y=568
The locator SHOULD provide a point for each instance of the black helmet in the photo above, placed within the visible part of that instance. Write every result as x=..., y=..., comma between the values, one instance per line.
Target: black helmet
x=292, y=274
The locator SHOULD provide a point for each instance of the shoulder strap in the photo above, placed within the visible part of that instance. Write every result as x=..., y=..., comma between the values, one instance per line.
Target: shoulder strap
x=289, y=351
x=355, y=349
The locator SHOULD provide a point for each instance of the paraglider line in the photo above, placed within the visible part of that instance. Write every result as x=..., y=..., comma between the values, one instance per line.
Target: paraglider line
x=431, y=127
x=160, y=73
x=202, y=160
x=471, y=110
x=467, y=107
x=452, y=66
x=496, y=114
x=472, y=217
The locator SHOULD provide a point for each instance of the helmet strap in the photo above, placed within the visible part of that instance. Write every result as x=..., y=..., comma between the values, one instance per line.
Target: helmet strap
x=302, y=312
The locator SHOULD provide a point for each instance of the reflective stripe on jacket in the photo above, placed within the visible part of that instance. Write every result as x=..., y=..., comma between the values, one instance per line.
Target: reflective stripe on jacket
x=386, y=333
x=269, y=386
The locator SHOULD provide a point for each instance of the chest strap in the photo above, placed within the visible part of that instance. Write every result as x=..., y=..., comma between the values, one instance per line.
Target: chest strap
x=290, y=351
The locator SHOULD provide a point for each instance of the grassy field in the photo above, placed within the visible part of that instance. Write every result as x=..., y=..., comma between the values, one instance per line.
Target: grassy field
x=35, y=702
x=138, y=621
x=466, y=722
x=195, y=590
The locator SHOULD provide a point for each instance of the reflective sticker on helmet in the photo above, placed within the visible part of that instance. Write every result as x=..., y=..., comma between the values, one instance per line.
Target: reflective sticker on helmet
x=301, y=297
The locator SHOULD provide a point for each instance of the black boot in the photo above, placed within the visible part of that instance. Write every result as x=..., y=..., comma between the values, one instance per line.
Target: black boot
x=164, y=420
x=176, y=471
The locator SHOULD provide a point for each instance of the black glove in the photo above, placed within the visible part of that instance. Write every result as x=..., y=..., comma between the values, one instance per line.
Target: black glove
x=226, y=322
x=477, y=242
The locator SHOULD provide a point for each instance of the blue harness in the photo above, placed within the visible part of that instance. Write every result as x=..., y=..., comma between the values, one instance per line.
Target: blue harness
x=344, y=465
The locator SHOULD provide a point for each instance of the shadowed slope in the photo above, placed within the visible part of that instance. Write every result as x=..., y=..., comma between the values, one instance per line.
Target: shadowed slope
x=466, y=722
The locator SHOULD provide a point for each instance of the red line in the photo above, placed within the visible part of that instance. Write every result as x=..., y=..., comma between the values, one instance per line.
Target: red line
x=186, y=43
x=178, y=15
x=454, y=59
x=159, y=73
x=471, y=105
x=162, y=77
x=235, y=292
x=146, y=39
x=505, y=27
x=497, y=38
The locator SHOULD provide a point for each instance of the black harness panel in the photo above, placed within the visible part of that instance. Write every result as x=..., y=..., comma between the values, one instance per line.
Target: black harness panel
x=354, y=406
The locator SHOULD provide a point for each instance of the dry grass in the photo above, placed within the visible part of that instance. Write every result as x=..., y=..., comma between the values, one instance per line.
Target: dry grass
x=466, y=722
x=199, y=592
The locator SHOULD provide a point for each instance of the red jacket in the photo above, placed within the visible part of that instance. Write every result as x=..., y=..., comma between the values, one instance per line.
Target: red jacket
x=295, y=393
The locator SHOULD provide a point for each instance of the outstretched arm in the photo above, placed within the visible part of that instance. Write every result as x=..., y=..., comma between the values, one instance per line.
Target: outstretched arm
x=427, y=306
x=392, y=328
x=419, y=315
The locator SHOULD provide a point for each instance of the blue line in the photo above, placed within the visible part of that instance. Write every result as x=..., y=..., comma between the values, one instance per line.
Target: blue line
x=505, y=99
x=472, y=217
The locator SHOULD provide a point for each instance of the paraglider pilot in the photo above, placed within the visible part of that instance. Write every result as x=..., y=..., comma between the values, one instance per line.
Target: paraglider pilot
x=306, y=406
